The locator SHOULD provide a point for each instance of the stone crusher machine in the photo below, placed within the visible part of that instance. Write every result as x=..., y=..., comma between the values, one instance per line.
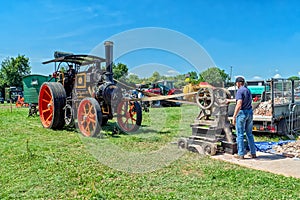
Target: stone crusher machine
x=211, y=130
x=85, y=95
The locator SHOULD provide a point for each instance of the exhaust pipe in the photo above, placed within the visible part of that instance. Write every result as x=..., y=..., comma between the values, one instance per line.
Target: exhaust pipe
x=109, y=60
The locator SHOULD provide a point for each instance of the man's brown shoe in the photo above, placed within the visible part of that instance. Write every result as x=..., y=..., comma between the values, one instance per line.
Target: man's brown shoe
x=238, y=157
x=253, y=156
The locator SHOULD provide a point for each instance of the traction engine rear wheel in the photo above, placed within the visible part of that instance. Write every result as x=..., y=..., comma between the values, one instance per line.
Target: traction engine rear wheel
x=89, y=117
x=52, y=99
x=129, y=116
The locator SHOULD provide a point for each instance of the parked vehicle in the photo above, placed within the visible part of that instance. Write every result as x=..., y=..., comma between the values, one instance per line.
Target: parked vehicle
x=1, y=97
x=164, y=87
x=86, y=95
x=277, y=111
x=257, y=88
x=31, y=85
x=12, y=93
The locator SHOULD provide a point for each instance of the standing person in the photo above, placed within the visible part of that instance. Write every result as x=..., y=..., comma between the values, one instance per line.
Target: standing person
x=243, y=118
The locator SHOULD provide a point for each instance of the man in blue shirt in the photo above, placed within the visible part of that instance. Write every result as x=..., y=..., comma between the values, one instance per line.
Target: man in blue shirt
x=243, y=118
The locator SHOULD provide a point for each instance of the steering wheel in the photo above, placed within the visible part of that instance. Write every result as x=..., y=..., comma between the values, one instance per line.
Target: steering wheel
x=205, y=98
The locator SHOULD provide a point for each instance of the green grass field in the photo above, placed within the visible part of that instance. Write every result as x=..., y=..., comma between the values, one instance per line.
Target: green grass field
x=38, y=163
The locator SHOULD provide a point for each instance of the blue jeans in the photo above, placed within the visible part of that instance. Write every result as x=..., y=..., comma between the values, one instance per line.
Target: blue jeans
x=244, y=123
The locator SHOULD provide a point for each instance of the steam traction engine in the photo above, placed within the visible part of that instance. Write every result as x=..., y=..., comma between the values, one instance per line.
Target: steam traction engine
x=86, y=98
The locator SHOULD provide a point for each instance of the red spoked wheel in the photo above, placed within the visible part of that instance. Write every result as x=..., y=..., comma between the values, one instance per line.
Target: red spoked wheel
x=52, y=99
x=129, y=116
x=89, y=117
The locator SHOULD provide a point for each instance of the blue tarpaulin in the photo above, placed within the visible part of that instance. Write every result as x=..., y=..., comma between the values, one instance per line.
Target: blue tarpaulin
x=268, y=146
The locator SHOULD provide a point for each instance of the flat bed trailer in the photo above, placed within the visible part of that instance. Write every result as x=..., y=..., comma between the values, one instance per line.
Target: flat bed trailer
x=278, y=110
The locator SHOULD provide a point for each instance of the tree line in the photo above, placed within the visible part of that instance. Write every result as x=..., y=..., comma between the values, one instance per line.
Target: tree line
x=213, y=75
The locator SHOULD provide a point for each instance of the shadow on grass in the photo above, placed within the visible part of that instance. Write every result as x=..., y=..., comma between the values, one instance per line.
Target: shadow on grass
x=164, y=132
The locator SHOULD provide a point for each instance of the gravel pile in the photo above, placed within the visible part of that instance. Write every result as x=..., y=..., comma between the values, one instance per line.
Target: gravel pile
x=291, y=149
x=264, y=108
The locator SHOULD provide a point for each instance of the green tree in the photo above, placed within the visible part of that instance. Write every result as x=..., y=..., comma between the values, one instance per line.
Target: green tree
x=120, y=71
x=133, y=78
x=294, y=78
x=155, y=77
x=179, y=81
x=13, y=70
x=214, y=76
x=191, y=77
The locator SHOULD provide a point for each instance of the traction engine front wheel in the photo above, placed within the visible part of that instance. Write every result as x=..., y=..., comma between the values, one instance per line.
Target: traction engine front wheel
x=129, y=116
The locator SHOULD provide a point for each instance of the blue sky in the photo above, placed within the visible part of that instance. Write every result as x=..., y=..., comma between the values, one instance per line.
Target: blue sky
x=259, y=39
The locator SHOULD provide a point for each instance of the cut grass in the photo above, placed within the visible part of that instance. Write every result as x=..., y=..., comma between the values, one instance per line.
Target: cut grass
x=38, y=163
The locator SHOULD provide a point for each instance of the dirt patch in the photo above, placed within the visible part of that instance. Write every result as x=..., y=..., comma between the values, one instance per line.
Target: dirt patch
x=273, y=163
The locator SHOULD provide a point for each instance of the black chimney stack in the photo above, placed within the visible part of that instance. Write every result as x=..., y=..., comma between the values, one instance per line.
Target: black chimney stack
x=109, y=60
